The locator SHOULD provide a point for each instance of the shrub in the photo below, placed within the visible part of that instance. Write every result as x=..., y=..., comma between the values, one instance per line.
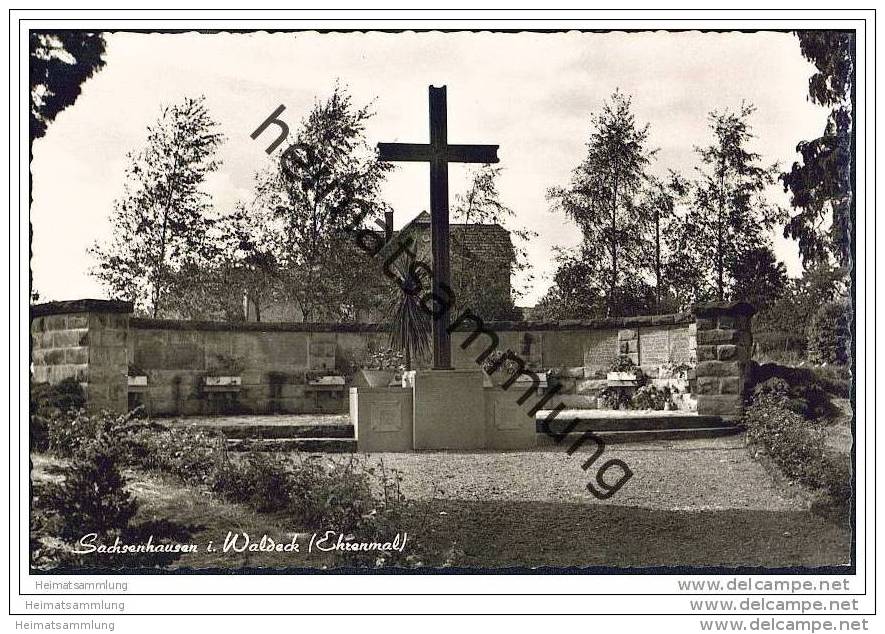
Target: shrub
x=92, y=498
x=51, y=401
x=829, y=334
x=347, y=495
x=64, y=396
x=623, y=363
x=261, y=481
x=834, y=379
x=192, y=456
x=795, y=443
x=73, y=431
x=807, y=392
x=38, y=433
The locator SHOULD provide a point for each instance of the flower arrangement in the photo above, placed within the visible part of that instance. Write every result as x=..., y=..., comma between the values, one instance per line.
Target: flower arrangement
x=652, y=397
x=498, y=360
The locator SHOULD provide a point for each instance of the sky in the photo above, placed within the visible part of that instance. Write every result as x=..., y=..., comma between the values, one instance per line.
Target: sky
x=531, y=93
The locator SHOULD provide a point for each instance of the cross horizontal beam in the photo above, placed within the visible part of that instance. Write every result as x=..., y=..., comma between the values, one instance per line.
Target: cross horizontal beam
x=426, y=152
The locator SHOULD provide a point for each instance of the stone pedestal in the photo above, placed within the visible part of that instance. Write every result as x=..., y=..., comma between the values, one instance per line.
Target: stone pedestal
x=86, y=340
x=724, y=344
x=449, y=409
x=508, y=424
x=382, y=418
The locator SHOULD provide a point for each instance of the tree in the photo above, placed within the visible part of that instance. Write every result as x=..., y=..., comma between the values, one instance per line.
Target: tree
x=820, y=284
x=161, y=223
x=600, y=196
x=318, y=187
x=58, y=64
x=248, y=259
x=729, y=214
x=759, y=278
x=576, y=292
x=822, y=184
x=657, y=209
x=477, y=276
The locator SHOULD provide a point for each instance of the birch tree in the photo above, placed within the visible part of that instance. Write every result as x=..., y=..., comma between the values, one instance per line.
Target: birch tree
x=161, y=222
x=601, y=197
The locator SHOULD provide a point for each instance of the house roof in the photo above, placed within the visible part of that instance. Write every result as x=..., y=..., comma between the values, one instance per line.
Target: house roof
x=491, y=241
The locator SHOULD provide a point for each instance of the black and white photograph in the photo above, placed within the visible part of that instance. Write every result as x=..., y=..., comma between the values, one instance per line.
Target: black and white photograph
x=448, y=301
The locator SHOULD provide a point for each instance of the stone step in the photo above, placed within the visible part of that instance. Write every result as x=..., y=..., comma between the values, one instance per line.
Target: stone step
x=309, y=445
x=286, y=431
x=617, y=437
x=627, y=423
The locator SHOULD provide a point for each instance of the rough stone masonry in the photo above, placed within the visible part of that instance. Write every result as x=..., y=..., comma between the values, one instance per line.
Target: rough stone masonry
x=96, y=342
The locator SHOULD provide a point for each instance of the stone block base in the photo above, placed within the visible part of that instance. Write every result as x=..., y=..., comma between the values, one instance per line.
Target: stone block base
x=449, y=409
x=382, y=418
x=507, y=423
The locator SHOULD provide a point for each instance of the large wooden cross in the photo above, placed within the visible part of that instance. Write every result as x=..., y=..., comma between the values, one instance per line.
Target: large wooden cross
x=439, y=154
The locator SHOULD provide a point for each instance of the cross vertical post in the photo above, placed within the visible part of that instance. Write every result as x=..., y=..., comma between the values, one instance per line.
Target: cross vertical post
x=439, y=225
x=439, y=154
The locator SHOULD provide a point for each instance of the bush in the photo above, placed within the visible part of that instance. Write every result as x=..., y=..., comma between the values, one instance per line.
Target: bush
x=92, y=498
x=261, y=481
x=64, y=396
x=834, y=379
x=829, y=334
x=71, y=432
x=807, y=389
x=192, y=456
x=349, y=496
x=51, y=401
x=795, y=443
x=38, y=433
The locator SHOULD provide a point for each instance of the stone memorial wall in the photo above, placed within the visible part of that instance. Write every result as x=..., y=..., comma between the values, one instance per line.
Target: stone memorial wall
x=100, y=343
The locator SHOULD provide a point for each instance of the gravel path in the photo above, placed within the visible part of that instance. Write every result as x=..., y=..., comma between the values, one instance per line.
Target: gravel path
x=712, y=474
x=689, y=503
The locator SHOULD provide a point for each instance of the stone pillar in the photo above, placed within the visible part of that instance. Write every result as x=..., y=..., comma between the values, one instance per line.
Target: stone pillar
x=628, y=344
x=85, y=339
x=724, y=344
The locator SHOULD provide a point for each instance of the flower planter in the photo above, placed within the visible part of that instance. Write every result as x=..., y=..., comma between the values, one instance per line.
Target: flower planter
x=374, y=378
x=137, y=381
x=328, y=380
x=497, y=379
x=620, y=376
x=224, y=381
